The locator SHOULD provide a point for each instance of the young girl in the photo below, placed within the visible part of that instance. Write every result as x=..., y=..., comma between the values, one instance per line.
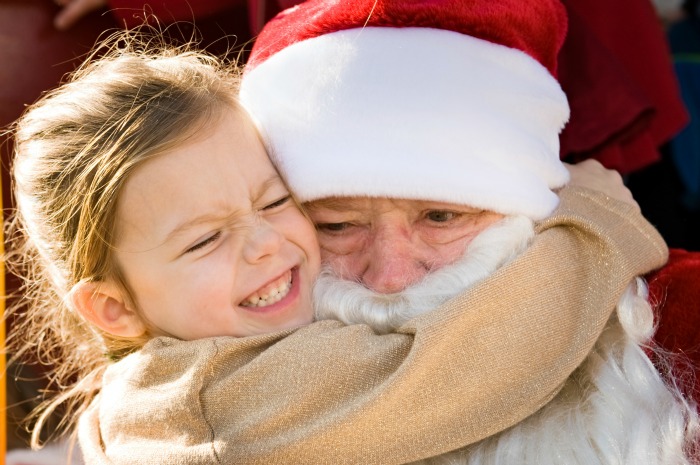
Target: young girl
x=168, y=272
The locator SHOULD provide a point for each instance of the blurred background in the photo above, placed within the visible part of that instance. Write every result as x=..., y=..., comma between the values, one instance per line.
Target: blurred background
x=630, y=68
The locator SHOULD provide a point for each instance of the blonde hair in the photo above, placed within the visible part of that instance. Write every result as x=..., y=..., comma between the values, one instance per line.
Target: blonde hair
x=135, y=98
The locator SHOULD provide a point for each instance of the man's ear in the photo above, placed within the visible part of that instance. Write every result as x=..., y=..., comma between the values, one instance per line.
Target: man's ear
x=103, y=304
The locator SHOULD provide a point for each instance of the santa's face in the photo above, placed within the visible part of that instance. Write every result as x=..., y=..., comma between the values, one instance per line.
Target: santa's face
x=352, y=303
x=390, y=244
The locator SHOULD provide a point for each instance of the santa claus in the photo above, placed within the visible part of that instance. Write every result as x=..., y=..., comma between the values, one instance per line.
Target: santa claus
x=423, y=138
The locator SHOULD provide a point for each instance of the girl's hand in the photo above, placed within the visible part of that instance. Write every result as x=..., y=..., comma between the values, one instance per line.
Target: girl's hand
x=73, y=10
x=592, y=175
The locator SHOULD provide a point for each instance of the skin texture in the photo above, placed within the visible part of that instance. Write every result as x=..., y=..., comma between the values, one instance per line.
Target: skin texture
x=209, y=224
x=389, y=244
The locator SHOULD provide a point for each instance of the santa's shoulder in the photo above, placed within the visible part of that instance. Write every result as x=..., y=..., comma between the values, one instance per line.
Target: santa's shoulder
x=674, y=290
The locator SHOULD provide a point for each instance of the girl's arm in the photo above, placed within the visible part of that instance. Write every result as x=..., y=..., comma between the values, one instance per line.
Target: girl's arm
x=329, y=393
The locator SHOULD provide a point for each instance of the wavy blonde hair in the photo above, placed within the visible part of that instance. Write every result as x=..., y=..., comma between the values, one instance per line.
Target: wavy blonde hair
x=135, y=98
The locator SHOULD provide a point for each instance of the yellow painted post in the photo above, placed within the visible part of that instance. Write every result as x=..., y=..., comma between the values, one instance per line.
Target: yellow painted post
x=3, y=394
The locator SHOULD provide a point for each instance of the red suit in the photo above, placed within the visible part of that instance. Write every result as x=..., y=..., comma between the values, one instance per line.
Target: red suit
x=675, y=289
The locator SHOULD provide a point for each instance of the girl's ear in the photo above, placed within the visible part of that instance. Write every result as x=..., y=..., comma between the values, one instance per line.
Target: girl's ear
x=103, y=304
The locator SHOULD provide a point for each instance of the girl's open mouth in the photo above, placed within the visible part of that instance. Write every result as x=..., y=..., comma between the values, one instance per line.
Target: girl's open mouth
x=270, y=293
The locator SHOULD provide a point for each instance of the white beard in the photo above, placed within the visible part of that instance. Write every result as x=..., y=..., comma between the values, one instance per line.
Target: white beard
x=614, y=409
x=352, y=303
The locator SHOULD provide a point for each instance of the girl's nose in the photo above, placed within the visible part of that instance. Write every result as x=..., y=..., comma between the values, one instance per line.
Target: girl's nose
x=263, y=241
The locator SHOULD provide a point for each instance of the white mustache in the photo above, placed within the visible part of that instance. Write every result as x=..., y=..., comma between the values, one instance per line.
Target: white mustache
x=352, y=303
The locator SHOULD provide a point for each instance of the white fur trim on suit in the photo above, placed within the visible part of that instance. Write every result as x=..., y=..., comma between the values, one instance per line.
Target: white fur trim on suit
x=413, y=113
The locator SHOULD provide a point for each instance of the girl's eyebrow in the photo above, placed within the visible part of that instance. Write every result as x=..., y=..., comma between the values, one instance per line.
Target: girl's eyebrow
x=273, y=180
x=205, y=218
x=211, y=217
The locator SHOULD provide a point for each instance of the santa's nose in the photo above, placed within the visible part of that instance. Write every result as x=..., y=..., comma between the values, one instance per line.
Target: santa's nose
x=394, y=262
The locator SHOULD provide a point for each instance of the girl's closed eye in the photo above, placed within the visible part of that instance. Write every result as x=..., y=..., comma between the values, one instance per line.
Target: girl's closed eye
x=201, y=244
x=278, y=202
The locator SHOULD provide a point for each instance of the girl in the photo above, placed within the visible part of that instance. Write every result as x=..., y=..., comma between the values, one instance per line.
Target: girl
x=168, y=273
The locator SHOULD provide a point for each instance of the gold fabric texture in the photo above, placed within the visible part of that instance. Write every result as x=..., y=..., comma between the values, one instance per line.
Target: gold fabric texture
x=329, y=393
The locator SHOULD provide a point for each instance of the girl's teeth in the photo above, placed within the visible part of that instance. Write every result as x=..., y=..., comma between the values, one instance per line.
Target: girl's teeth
x=269, y=298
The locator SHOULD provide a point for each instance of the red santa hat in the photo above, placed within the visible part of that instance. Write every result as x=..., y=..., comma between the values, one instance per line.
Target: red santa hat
x=445, y=100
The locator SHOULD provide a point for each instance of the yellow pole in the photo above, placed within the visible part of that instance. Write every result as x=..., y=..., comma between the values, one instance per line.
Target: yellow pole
x=3, y=374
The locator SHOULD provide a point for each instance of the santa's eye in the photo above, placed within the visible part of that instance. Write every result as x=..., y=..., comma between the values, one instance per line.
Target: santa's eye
x=333, y=227
x=441, y=216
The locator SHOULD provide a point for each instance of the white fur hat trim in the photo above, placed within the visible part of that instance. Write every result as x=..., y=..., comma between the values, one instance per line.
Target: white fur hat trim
x=413, y=113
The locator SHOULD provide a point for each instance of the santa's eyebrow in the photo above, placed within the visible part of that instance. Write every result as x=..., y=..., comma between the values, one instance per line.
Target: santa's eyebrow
x=336, y=203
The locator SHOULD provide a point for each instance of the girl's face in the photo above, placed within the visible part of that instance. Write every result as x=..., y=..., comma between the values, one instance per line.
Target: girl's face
x=210, y=241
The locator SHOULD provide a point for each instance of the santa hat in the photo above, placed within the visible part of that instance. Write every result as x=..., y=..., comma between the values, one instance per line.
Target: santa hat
x=445, y=100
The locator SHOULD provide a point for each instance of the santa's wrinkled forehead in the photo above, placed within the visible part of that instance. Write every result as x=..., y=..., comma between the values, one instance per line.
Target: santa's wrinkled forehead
x=355, y=203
